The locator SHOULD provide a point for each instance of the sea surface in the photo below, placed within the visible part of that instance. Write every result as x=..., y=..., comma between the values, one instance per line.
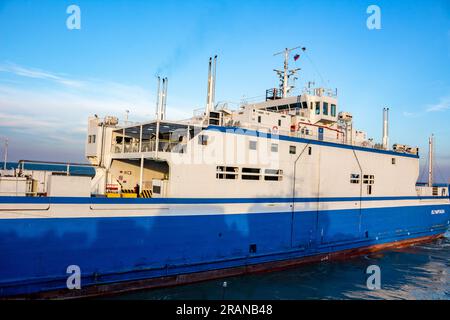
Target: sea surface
x=417, y=272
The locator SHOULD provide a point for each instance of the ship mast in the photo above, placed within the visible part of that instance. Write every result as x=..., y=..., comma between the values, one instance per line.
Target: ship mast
x=430, y=160
x=286, y=73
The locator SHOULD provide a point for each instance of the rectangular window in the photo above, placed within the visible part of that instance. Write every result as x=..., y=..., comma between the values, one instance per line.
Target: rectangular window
x=369, y=189
x=333, y=110
x=89, y=139
x=274, y=147
x=309, y=150
x=279, y=123
x=259, y=119
x=229, y=173
x=292, y=149
x=354, y=178
x=311, y=105
x=252, y=145
x=393, y=160
x=325, y=109
x=318, y=107
x=305, y=105
x=93, y=138
x=435, y=191
x=203, y=140
x=157, y=189
x=273, y=175
x=368, y=179
x=251, y=173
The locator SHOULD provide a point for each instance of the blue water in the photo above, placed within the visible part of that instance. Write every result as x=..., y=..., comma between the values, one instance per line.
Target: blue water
x=74, y=170
x=417, y=272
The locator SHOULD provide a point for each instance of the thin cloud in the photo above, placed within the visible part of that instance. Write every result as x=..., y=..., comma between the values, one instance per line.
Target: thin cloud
x=39, y=74
x=444, y=104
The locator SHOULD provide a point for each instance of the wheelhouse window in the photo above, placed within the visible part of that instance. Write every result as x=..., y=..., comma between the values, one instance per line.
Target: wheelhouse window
x=325, y=109
x=333, y=110
x=318, y=107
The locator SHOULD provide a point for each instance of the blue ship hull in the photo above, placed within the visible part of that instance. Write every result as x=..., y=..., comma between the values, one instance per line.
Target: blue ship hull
x=35, y=252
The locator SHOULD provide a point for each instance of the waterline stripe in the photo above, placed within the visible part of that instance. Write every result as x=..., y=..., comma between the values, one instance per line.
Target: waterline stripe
x=94, y=200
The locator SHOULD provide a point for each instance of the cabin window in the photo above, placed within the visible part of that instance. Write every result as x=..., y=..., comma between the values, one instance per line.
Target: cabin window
x=309, y=150
x=259, y=119
x=273, y=175
x=203, y=140
x=369, y=189
x=292, y=149
x=393, y=160
x=274, y=147
x=279, y=122
x=325, y=109
x=311, y=105
x=295, y=106
x=251, y=174
x=318, y=107
x=229, y=173
x=435, y=191
x=354, y=178
x=333, y=110
x=305, y=105
x=93, y=138
x=89, y=139
x=252, y=145
x=156, y=189
x=368, y=179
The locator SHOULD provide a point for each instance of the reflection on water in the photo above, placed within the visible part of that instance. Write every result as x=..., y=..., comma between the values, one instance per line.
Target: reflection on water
x=418, y=272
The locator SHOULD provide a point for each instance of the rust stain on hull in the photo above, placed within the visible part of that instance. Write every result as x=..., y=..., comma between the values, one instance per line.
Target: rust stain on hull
x=169, y=281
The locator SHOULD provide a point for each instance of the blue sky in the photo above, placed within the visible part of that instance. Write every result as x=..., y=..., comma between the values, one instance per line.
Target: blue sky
x=53, y=78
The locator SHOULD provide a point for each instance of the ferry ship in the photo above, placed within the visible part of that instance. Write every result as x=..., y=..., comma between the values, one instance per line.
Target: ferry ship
x=267, y=186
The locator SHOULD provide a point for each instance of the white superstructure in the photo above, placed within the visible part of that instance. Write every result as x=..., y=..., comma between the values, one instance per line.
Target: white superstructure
x=299, y=145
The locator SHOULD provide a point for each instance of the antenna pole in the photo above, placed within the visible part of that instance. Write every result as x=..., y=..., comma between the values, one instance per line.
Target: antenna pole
x=286, y=73
x=6, y=154
x=430, y=160
x=286, y=70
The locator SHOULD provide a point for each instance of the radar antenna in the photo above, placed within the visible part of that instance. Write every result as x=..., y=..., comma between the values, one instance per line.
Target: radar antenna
x=286, y=74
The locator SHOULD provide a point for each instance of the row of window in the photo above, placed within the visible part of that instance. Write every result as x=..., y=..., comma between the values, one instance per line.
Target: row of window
x=91, y=138
x=232, y=173
x=325, y=109
x=367, y=178
x=203, y=140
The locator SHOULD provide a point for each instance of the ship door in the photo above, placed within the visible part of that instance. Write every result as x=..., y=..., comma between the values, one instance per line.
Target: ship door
x=320, y=134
